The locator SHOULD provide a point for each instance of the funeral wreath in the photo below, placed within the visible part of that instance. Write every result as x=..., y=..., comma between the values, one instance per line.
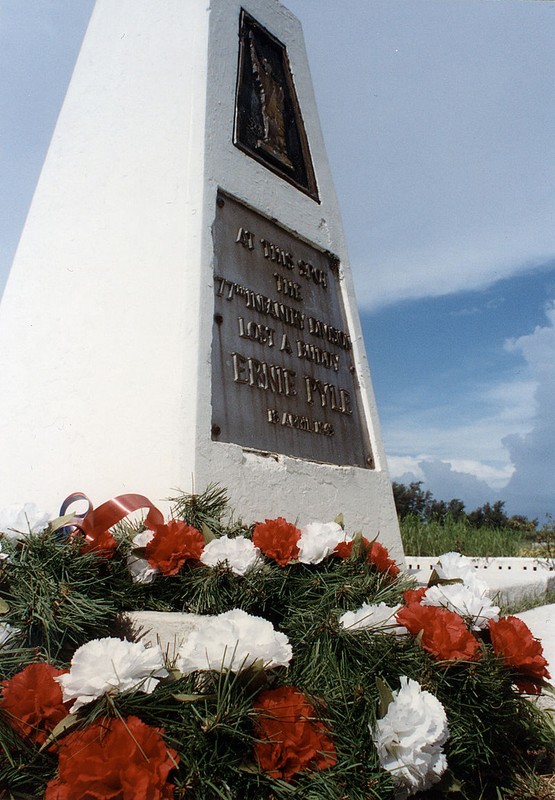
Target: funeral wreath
x=317, y=671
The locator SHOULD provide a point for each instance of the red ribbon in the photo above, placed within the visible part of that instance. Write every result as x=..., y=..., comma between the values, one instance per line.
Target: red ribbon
x=95, y=521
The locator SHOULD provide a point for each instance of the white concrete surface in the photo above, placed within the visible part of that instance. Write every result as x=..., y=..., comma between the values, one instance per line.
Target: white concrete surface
x=168, y=629
x=510, y=579
x=541, y=622
x=106, y=320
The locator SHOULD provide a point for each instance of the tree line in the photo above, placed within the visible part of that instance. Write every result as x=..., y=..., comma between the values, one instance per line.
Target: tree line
x=412, y=500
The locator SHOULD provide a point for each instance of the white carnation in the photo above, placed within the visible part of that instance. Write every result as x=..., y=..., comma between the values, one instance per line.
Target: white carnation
x=240, y=554
x=319, y=539
x=477, y=609
x=111, y=665
x=452, y=566
x=234, y=641
x=6, y=634
x=16, y=521
x=140, y=569
x=380, y=617
x=409, y=739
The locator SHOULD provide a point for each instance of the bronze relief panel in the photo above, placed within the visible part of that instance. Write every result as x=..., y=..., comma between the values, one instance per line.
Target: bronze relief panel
x=268, y=121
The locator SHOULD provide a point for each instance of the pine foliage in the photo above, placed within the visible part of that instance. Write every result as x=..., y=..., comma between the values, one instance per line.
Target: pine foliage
x=58, y=599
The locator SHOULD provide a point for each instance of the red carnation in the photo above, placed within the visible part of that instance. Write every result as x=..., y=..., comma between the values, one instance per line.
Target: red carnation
x=292, y=739
x=343, y=550
x=277, y=539
x=414, y=595
x=103, y=544
x=32, y=701
x=115, y=759
x=444, y=634
x=379, y=556
x=512, y=640
x=173, y=544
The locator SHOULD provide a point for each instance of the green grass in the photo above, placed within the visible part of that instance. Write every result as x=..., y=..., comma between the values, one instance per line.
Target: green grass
x=433, y=539
x=529, y=601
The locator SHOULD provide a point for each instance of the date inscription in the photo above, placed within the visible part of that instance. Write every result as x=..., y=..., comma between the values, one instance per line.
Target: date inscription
x=283, y=377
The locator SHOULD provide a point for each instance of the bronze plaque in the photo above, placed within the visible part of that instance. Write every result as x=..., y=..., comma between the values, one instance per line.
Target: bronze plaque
x=268, y=121
x=283, y=378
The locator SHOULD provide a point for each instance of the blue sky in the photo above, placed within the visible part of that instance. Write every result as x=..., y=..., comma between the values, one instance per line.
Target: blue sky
x=438, y=117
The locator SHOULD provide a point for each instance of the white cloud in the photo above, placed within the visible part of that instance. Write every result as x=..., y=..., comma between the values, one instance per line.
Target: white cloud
x=447, y=268
x=403, y=465
x=532, y=487
x=438, y=129
x=419, y=467
x=514, y=401
x=446, y=483
x=538, y=347
x=508, y=453
x=497, y=477
x=467, y=431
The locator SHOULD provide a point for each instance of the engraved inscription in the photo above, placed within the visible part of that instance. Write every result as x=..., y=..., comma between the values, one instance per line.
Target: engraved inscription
x=256, y=332
x=328, y=395
x=283, y=378
x=312, y=353
x=276, y=254
x=300, y=423
x=288, y=288
x=261, y=375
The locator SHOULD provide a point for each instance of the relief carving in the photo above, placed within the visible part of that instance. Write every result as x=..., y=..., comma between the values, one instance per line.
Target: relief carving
x=272, y=104
x=268, y=121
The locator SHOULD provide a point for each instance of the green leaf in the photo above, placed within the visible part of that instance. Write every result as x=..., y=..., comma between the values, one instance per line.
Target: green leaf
x=60, y=522
x=249, y=766
x=435, y=580
x=64, y=725
x=207, y=533
x=255, y=678
x=193, y=698
x=386, y=696
x=448, y=784
x=358, y=545
x=173, y=675
x=340, y=521
x=4, y=607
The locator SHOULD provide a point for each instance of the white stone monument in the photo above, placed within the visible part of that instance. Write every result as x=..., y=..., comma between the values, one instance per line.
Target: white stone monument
x=180, y=309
